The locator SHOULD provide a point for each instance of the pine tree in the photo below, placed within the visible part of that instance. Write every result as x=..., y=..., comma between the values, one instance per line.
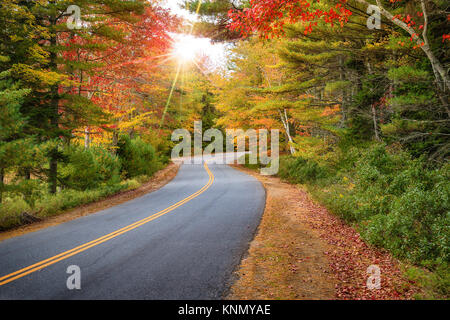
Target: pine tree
x=55, y=107
x=13, y=146
x=214, y=19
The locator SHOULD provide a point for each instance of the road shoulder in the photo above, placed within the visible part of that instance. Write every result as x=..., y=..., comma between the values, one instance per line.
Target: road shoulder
x=285, y=259
x=302, y=251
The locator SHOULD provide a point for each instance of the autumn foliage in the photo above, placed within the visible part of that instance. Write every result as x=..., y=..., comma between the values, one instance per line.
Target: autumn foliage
x=269, y=17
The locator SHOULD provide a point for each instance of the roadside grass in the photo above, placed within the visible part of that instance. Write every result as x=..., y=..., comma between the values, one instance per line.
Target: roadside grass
x=433, y=284
x=14, y=207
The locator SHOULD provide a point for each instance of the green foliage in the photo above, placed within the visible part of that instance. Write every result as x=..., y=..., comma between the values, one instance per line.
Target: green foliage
x=408, y=74
x=86, y=175
x=87, y=169
x=434, y=284
x=138, y=158
x=13, y=146
x=396, y=201
x=300, y=170
x=51, y=204
x=163, y=147
x=46, y=204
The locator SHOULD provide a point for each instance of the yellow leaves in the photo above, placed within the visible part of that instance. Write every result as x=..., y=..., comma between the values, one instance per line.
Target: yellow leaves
x=15, y=38
x=39, y=77
x=313, y=148
x=4, y=59
x=329, y=111
x=38, y=54
x=350, y=185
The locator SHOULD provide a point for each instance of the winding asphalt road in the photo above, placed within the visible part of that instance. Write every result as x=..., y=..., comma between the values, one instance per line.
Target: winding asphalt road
x=180, y=242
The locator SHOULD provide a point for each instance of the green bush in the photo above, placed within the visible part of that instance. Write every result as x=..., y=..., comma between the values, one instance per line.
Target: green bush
x=395, y=201
x=88, y=169
x=85, y=176
x=416, y=222
x=138, y=158
x=300, y=170
x=28, y=189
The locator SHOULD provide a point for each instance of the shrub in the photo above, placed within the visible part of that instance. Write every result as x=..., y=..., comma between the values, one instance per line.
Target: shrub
x=163, y=146
x=395, y=201
x=87, y=169
x=300, y=170
x=85, y=176
x=138, y=158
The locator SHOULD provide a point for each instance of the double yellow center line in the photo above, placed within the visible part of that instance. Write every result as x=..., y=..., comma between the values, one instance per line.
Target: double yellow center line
x=67, y=254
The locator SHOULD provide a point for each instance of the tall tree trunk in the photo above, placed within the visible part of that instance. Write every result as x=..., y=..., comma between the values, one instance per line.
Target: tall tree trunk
x=115, y=141
x=87, y=132
x=2, y=183
x=285, y=121
x=53, y=171
x=375, y=123
x=54, y=118
x=27, y=174
x=87, y=138
x=344, y=92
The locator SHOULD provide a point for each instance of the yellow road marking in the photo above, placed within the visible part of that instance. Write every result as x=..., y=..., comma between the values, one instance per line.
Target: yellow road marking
x=62, y=256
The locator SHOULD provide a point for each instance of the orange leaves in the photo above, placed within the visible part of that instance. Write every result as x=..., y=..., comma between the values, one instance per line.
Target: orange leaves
x=329, y=111
x=120, y=70
x=419, y=45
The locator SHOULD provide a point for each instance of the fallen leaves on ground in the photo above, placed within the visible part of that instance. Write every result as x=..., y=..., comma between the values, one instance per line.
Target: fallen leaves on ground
x=315, y=250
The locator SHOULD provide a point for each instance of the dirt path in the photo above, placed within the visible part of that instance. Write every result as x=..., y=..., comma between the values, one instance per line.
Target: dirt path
x=160, y=179
x=302, y=251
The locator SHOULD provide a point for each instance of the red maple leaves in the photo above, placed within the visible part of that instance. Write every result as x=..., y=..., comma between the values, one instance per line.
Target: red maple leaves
x=268, y=17
x=110, y=72
x=350, y=256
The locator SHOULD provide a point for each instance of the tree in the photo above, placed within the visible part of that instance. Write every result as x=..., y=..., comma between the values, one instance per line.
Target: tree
x=269, y=17
x=13, y=146
x=247, y=98
x=66, y=61
x=214, y=19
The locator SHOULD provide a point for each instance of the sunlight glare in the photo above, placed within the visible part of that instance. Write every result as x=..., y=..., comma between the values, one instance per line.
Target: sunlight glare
x=187, y=48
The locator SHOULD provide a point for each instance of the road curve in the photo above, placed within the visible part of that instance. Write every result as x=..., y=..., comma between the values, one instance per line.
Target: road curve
x=180, y=242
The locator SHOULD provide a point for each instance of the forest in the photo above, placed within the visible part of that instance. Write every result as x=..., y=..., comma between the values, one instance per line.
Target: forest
x=87, y=110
